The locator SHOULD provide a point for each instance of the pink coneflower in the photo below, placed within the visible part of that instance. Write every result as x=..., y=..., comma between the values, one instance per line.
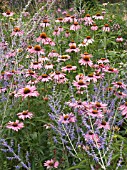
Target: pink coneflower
x=110, y=70
x=103, y=60
x=42, y=59
x=99, y=75
x=72, y=43
x=10, y=54
x=57, y=75
x=80, y=77
x=17, y=32
x=98, y=105
x=8, y=14
x=119, y=39
x=36, y=50
x=44, y=78
x=28, y=91
x=91, y=77
x=53, y=53
x=103, y=124
x=43, y=38
x=59, y=20
x=15, y=125
x=94, y=113
x=88, y=20
x=119, y=85
x=25, y=114
x=86, y=61
x=68, y=68
x=56, y=32
x=98, y=16
x=80, y=84
x=2, y=89
x=36, y=65
x=94, y=27
x=75, y=26
x=51, y=164
x=67, y=34
x=123, y=107
x=106, y=28
x=73, y=49
x=87, y=17
x=120, y=94
x=88, y=40
x=67, y=118
x=31, y=73
x=45, y=23
x=68, y=18
x=60, y=29
x=92, y=136
x=49, y=66
x=63, y=58
x=83, y=44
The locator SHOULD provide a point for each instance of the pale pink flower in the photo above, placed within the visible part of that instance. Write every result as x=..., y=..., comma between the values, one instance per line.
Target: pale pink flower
x=103, y=124
x=121, y=94
x=45, y=23
x=42, y=59
x=98, y=105
x=49, y=66
x=2, y=89
x=10, y=54
x=36, y=50
x=92, y=136
x=67, y=118
x=119, y=39
x=68, y=18
x=75, y=26
x=51, y=164
x=98, y=16
x=15, y=125
x=103, y=60
x=119, y=85
x=43, y=38
x=110, y=70
x=57, y=75
x=87, y=17
x=91, y=77
x=25, y=114
x=106, y=28
x=56, y=32
x=80, y=84
x=63, y=58
x=73, y=49
x=60, y=29
x=88, y=40
x=44, y=78
x=94, y=27
x=85, y=60
x=31, y=73
x=83, y=44
x=8, y=14
x=59, y=20
x=69, y=68
x=94, y=113
x=17, y=32
x=53, y=53
x=28, y=91
x=36, y=65
x=123, y=107
x=67, y=34
x=80, y=77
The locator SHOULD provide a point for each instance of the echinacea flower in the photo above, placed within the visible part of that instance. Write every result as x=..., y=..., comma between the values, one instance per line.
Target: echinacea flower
x=49, y=66
x=106, y=28
x=67, y=118
x=17, y=32
x=53, y=53
x=88, y=40
x=68, y=68
x=8, y=13
x=103, y=60
x=25, y=114
x=43, y=38
x=94, y=27
x=45, y=23
x=103, y=124
x=51, y=164
x=28, y=91
x=44, y=78
x=36, y=50
x=63, y=58
x=119, y=39
x=85, y=60
x=15, y=125
x=119, y=85
x=75, y=26
x=80, y=84
x=98, y=16
x=68, y=18
x=123, y=107
x=36, y=65
x=73, y=49
x=94, y=113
